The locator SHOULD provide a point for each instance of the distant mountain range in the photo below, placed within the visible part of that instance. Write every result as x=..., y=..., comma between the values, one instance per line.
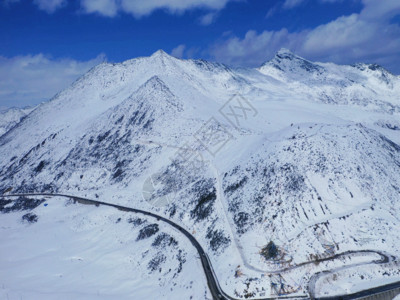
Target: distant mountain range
x=11, y=117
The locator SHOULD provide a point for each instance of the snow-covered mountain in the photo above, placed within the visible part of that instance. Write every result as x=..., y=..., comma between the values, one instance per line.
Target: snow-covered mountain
x=11, y=117
x=302, y=154
x=368, y=85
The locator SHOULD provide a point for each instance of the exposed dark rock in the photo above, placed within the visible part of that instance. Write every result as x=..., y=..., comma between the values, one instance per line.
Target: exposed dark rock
x=270, y=251
x=163, y=240
x=30, y=217
x=40, y=167
x=22, y=203
x=136, y=221
x=218, y=241
x=147, y=231
x=206, y=196
x=156, y=261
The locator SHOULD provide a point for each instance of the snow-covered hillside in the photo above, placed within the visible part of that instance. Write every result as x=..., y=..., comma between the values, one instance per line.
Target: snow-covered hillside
x=67, y=251
x=11, y=117
x=302, y=154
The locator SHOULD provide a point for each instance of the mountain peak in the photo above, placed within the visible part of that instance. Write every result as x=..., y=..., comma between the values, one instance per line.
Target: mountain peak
x=377, y=71
x=282, y=55
x=162, y=58
x=286, y=61
x=160, y=53
x=370, y=67
x=284, y=52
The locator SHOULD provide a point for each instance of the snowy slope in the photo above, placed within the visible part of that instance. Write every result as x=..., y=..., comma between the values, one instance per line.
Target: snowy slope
x=11, y=117
x=299, y=153
x=77, y=252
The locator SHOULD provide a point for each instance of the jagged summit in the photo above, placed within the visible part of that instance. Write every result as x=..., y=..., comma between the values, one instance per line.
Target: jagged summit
x=376, y=70
x=159, y=57
x=284, y=52
x=162, y=56
x=286, y=61
x=160, y=53
x=371, y=67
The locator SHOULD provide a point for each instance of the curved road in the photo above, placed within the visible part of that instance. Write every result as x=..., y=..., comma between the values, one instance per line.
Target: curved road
x=211, y=277
x=314, y=278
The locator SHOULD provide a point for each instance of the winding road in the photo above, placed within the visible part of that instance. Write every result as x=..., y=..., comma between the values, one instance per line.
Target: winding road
x=211, y=277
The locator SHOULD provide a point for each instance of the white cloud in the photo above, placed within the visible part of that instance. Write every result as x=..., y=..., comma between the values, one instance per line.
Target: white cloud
x=140, y=8
x=178, y=51
x=380, y=9
x=208, y=19
x=367, y=36
x=348, y=31
x=181, y=51
x=30, y=79
x=137, y=8
x=108, y=8
x=50, y=6
x=289, y=4
x=292, y=3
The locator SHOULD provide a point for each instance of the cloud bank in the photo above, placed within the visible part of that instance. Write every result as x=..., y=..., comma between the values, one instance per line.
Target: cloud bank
x=140, y=8
x=50, y=6
x=31, y=79
x=137, y=8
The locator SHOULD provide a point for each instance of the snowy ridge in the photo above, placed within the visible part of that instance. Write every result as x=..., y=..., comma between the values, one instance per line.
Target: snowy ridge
x=367, y=85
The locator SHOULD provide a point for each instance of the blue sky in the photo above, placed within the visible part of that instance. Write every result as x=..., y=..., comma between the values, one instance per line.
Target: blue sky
x=47, y=44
